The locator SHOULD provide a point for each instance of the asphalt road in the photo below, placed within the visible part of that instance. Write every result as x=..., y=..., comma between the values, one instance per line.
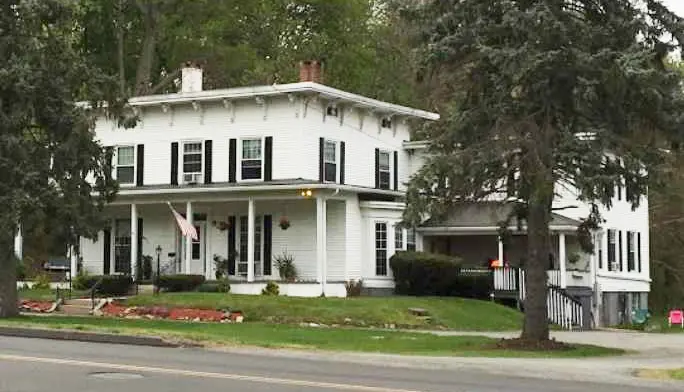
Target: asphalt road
x=28, y=365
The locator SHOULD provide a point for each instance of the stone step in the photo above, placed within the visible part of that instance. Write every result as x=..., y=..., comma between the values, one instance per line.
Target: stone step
x=80, y=310
x=79, y=301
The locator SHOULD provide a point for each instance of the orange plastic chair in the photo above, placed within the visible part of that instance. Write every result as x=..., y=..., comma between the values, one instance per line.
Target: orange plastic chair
x=676, y=317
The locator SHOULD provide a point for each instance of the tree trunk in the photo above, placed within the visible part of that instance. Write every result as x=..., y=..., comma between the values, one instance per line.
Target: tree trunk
x=8, y=276
x=144, y=71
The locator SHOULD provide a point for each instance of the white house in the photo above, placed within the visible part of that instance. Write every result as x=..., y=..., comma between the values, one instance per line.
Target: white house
x=236, y=162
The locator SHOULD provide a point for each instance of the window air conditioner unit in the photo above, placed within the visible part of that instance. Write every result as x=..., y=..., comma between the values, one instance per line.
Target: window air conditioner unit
x=192, y=178
x=614, y=266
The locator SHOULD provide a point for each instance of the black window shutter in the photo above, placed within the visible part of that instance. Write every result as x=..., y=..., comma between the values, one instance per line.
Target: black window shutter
x=174, y=163
x=342, y=159
x=231, y=244
x=396, y=171
x=232, y=160
x=638, y=252
x=207, y=161
x=139, y=170
x=377, y=168
x=138, y=272
x=268, y=230
x=321, y=165
x=620, y=249
x=268, y=159
x=107, y=250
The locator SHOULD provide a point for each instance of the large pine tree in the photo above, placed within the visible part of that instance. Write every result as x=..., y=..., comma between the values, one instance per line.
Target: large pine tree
x=47, y=151
x=527, y=79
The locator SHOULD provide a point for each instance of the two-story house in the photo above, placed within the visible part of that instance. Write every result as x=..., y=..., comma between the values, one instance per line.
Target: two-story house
x=320, y=174
x=238, y=162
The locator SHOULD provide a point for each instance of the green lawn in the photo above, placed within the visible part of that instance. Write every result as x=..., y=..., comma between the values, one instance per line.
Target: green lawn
x=451, y=313
x=288, y=336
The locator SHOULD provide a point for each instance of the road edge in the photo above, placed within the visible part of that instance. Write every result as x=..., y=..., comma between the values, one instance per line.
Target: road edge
x=82, y=336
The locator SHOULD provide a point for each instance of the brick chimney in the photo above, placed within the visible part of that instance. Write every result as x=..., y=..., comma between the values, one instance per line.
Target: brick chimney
x=191, y=78
x=310, y=71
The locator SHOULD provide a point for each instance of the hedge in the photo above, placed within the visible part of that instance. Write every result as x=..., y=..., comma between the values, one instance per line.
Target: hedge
x=421, y=273
x=111, y=284
x=180, y=282
x=214, y=286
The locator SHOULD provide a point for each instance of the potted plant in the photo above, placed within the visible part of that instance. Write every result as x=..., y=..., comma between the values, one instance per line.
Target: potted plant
x=221, y=266
x=286, y=268
x=284, y=222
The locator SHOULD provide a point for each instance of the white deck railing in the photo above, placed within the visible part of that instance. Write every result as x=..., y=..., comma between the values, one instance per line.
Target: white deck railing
x=563, y=310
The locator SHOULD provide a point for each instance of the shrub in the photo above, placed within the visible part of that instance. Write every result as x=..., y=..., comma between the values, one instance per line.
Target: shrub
x=286, y=268
x=21, y=270
x=354, y=287
x=110, y=285
x=41, y=281
x=271, y=289
x=474, y=286
x=420, y=273
x=215, y=286
x=181, y=282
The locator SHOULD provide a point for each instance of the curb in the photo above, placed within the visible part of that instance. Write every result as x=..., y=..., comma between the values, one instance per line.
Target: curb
x=85, y=337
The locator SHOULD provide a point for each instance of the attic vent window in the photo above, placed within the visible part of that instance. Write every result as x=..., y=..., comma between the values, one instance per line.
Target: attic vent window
x=386, y=123
x=332, y=111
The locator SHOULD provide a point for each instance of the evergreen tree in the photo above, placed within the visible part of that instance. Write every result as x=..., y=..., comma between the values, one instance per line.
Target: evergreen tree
x=47, y=151
x=541, y=91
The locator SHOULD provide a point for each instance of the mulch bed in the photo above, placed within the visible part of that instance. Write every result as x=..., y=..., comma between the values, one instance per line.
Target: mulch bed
x=161, y=312
x=532, y=345
x=26, y=305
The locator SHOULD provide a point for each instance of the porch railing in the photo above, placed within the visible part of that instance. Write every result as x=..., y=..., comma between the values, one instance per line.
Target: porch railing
x=513, y=279
x=554, y=278
x=563, y=310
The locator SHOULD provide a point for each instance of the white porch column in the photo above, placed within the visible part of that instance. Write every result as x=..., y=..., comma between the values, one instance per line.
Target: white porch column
x=19, y=244
x=562, y=261
x=134, y=240
x=250, y=240
x=321, y=248
x=501, y=250
x=73, y=258
x=188, y=239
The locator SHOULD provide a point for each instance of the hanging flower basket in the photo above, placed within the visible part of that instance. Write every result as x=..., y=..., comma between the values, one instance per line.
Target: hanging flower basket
x=221, y=225
x=284, y=223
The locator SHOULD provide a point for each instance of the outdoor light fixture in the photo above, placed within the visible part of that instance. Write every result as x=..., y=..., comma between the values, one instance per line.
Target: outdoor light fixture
x=158, y=249
x=306, y=193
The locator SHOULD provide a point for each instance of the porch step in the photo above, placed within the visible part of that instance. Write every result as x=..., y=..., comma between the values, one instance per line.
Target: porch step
x=79, y=302
x=76, y=310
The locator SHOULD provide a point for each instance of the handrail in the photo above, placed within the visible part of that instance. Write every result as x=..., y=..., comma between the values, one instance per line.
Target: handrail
x=93, y=290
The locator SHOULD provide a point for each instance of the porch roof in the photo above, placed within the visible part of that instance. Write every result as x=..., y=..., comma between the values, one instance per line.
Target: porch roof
x=293, y=184
x=486, y=216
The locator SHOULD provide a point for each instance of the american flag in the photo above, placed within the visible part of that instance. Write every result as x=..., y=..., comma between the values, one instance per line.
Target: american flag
x=185, y=227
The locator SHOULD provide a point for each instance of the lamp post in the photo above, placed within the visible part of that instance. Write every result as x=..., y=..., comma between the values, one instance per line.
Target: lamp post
x=158, y=249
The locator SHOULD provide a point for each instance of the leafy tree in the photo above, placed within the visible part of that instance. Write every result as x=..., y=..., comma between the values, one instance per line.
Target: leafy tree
x=542, y=90
x=47, y=151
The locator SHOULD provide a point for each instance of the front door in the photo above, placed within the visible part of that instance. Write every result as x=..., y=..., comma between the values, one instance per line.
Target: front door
x=243, y=247
x=122, y=246
x=198, y=263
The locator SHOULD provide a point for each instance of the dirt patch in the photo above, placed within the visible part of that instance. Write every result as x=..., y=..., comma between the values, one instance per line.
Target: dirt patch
x=36, y=306
x=160, y=312
x=532, y=345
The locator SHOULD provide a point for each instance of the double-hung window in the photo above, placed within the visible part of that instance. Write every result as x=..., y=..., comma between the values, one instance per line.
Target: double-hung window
x=631, y=251
x=612, y=262
x=411, y=239
x=192, y=161
x=381, y=248
x=384, y=170
x=125, y=165
x=330, y=160
x=252, y=159
x=398, y=238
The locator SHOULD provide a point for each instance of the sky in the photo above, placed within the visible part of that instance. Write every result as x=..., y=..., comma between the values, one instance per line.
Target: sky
x=675, y=5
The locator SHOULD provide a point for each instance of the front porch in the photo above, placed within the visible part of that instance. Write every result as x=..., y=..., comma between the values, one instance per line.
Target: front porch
x=248, y=227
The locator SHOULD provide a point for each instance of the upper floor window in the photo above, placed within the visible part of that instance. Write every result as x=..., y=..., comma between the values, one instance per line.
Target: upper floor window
x=252, y=159
x=384, y=170
x=330, y=160
x=192, y=162
x=125, y=165
x=612, y=262
x=631, y=251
